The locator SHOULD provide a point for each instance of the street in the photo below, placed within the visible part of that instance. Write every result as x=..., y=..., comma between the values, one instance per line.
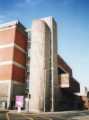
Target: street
x=67, y=115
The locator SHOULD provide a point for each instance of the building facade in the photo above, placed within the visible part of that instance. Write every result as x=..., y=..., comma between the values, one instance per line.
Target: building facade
x=29, y=61
x=13, y=48
x=51, y=83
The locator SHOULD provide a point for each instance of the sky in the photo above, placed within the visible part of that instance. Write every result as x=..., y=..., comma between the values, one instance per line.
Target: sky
x=72, y=17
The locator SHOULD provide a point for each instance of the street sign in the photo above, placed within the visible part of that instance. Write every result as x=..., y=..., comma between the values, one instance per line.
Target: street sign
x=19, y=102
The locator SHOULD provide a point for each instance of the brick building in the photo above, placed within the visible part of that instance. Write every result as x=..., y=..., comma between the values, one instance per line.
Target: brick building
x=69, y=87
x=29, y=57
x=53, y=81
x=13, y=48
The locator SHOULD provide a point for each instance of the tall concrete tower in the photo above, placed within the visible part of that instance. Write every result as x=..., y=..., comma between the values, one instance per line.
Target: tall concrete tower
x=43, y=84
x=39, y=66
x=54, y=75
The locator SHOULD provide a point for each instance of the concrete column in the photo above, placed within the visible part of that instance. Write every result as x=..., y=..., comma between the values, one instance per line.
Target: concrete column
x=39, y=65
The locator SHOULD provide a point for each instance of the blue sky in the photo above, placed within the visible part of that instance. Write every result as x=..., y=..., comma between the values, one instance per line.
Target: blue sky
x=72, y=17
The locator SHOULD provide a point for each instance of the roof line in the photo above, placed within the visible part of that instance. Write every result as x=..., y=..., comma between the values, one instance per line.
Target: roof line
x=7, y=24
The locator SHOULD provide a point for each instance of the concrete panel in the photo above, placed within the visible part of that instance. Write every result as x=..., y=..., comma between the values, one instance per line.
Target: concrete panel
x=64, y=80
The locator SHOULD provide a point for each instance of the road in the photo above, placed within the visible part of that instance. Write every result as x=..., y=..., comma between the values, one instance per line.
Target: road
x=68, y=115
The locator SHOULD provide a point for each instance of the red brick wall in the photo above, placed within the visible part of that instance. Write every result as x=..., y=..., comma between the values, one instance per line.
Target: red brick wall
x=13, y=35
x=18, y=74
x=21, y=39
x=85, y=101
x=6, y=54
x=7, y=36
x=19, y=57
x=6, y=72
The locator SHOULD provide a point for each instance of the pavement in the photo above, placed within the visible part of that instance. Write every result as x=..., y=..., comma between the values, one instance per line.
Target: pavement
x=67, y=115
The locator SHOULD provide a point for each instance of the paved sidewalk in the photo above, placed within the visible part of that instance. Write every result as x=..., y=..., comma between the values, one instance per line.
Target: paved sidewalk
x=66, y=115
